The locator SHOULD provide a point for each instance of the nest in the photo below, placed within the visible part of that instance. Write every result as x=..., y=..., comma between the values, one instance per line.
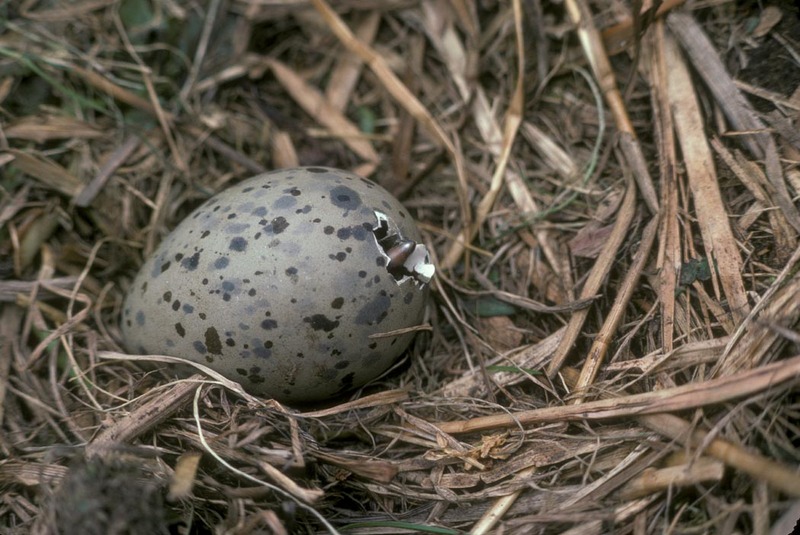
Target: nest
x=609, y=192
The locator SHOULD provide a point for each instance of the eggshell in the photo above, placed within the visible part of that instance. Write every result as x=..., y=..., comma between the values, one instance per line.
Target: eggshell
x=282, y=283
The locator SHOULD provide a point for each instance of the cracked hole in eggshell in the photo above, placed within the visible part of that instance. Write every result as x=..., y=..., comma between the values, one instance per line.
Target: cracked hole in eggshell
x=405, y=259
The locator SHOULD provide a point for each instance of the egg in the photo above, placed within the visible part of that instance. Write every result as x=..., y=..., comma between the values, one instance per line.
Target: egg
x=301, y=284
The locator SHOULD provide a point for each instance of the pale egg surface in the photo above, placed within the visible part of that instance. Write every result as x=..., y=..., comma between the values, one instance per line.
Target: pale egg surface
x=283, y=283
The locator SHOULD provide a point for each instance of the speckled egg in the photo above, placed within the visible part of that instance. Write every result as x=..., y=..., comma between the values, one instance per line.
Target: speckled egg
x=291, y=283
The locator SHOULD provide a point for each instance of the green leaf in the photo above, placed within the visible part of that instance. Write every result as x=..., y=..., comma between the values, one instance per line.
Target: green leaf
x=693, y=270
x=488, y=306
x=30, y=63
x=136, y=14
x=366, y=119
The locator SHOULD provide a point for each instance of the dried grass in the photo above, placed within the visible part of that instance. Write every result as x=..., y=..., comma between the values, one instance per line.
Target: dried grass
x=613, y=332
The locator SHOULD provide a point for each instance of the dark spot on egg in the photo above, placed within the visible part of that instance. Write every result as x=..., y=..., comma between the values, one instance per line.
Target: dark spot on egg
x=213, y=343
x=261, y=351
x=374, y=311
x=279, y=224
x=346, y=382
x=345, y=198
x=320, y=322
x=284, y=202
x=190, y=263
